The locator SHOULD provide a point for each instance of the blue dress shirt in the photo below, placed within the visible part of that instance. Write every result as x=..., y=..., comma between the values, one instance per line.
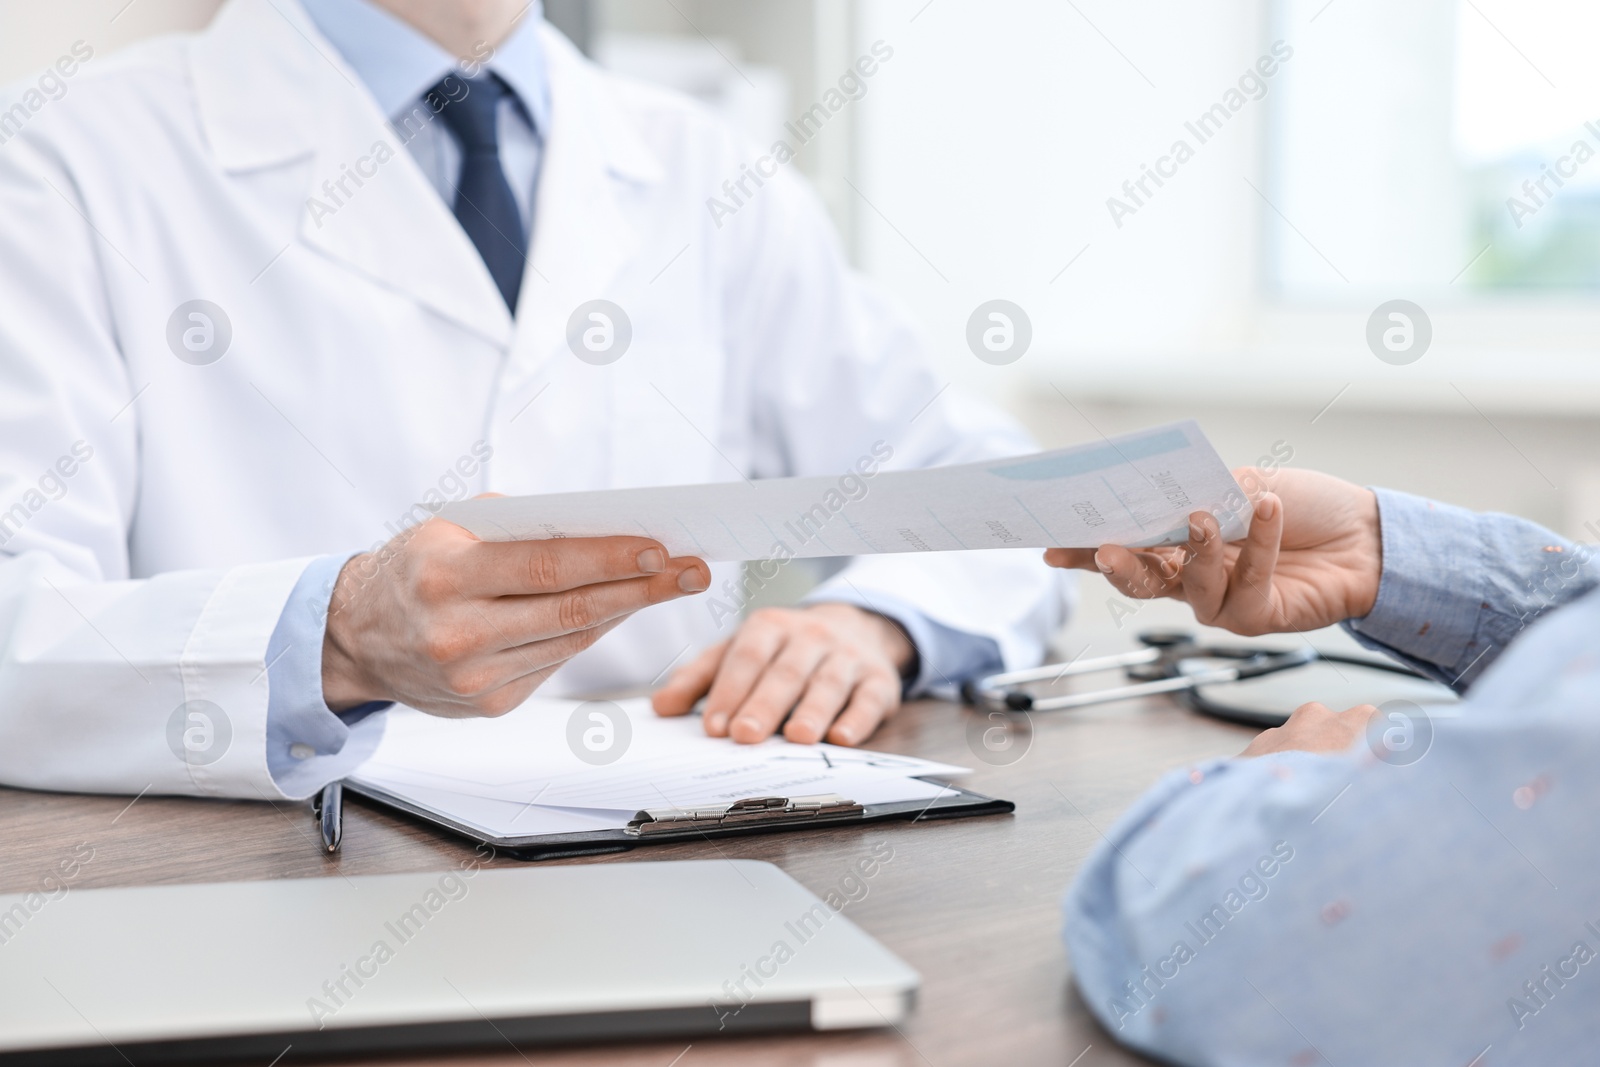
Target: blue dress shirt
x=398, y=65
x=308, y=745
x=1352, y=909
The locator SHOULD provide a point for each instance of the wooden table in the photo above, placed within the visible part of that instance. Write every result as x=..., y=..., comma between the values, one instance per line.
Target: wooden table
x=973, y=904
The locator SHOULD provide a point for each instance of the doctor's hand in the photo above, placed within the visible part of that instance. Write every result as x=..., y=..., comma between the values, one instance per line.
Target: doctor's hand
x=459, y=627
x=1313, y=728
x=1313, y=558
x=832, y=670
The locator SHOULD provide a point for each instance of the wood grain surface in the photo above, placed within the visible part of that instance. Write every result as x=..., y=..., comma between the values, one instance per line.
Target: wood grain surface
x=972, y=904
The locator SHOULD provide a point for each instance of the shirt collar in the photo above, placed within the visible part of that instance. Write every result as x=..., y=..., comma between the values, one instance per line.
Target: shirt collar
x=399, y=64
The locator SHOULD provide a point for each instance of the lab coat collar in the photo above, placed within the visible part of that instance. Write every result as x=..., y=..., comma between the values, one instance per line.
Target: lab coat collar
x=594, y=160
x=586, y=115
x=398, y=63
x=250, y=69
x=272, y=91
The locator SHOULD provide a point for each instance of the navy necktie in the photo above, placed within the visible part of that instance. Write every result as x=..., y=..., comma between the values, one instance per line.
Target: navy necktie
x=484, y=204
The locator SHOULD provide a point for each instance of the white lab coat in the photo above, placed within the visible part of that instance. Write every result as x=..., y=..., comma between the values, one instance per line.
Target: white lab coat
x=370, y=353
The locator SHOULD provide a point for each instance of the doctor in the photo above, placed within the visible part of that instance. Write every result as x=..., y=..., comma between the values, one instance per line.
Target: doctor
x=278, y=291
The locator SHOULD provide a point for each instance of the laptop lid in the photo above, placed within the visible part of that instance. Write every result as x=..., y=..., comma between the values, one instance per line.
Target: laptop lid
x=467, y=957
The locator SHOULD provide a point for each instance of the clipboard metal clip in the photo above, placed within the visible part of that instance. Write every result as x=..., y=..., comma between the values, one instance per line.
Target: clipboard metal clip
x=753, y=811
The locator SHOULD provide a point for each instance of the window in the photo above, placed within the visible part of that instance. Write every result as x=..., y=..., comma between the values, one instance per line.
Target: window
x=1442, y=146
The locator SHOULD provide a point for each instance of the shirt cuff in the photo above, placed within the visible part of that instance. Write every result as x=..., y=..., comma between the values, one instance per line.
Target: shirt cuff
x=309, y=745
x=945, y=657
x=1428, y=599
x=1458, y=586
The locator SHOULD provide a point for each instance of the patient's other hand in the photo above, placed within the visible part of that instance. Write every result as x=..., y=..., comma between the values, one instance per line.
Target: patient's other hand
x=1314, y=728
x=1313, y=557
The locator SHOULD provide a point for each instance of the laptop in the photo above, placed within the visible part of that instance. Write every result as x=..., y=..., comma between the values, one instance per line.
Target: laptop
x=280, y=970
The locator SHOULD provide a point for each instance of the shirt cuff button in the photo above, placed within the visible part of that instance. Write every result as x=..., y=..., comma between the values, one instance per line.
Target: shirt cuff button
x=301, y=750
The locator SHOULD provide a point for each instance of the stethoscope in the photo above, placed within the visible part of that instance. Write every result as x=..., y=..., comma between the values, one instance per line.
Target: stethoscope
x=1172, y=661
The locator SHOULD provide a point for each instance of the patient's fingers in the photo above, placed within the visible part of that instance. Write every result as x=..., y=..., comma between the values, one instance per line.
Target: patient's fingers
x=1135, y=573
x=1249, y=599
x=1141, y=575
x=1205, y=575
x=1314, y=728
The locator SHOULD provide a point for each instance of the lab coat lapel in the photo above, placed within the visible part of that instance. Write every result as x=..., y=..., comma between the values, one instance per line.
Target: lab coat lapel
x=582, y=237
x=272, y=91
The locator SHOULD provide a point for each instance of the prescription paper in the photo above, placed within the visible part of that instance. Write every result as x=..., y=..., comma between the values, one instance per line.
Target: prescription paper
x=1137, y=489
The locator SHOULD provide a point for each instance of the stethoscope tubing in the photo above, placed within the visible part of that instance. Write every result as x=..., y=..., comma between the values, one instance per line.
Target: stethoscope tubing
x=1166, y=654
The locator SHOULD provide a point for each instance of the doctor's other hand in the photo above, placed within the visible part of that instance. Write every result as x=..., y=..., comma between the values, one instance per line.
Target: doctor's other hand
x=1313, y=557
x=833, y=670
x=459, y=627
x=1313, y=728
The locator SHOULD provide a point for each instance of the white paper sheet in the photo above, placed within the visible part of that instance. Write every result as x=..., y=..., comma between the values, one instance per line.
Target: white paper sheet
x=517, y=775
x=1137, y=490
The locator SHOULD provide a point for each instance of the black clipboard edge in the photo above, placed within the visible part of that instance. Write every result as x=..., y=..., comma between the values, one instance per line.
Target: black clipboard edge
x=962, y=804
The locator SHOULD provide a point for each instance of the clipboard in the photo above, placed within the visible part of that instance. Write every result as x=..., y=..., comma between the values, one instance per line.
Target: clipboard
x=754, y=815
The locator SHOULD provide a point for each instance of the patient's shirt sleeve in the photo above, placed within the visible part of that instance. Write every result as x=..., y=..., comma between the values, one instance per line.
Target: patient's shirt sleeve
x=1458, y=586
x=1370, y=906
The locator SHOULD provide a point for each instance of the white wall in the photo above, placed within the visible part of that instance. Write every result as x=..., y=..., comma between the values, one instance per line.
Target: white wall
x=33, y=33
x=1367, y=166
x=991, y=144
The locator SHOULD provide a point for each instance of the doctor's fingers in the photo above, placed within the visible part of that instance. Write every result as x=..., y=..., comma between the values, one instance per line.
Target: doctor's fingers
x=827, y=694
x=689, y=682
x=782, y=683
x=752, y=647
x=494, y=683
x=517, y=620
x=876, y=698
x=509, y=568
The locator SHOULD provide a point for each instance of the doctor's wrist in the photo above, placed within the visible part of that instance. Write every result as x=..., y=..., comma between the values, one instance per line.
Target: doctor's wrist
x=345, y=684
x=886, y=635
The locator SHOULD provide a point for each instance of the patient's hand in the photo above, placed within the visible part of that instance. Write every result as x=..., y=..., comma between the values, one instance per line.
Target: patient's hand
x=1313, y=557
x=1314, y=728
x=836, y=665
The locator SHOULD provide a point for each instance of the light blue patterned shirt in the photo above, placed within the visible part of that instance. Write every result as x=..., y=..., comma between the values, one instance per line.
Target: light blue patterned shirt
x=1345, y=909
